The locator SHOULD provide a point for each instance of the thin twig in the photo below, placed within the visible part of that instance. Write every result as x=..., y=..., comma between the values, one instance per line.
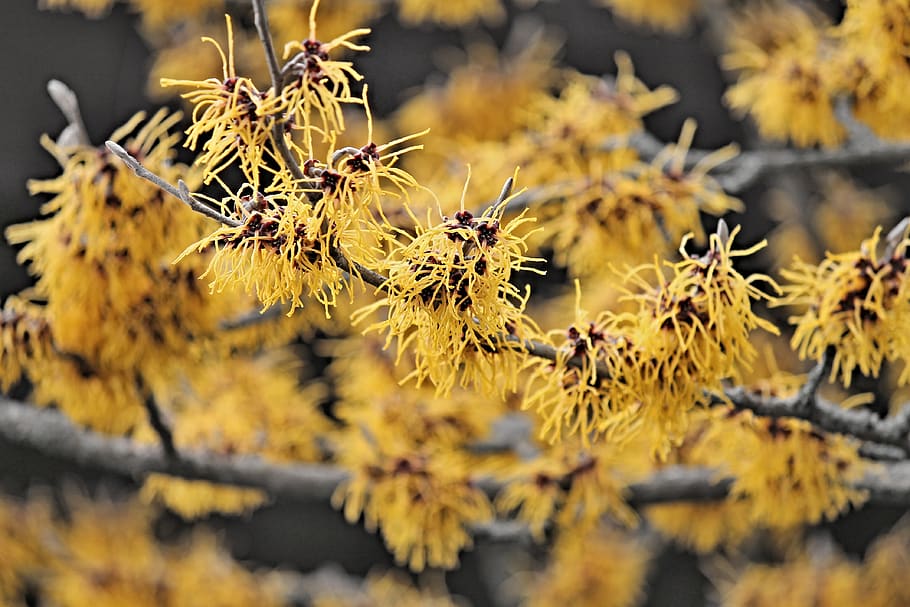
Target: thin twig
x=65, y=99
x=278, y=134
x=369, y=276
x=180, y=192
x=253, y=318
x=261, y=19
x=161, y=428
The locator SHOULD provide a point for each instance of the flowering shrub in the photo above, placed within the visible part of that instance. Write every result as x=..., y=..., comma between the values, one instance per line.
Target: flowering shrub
x=335, y=305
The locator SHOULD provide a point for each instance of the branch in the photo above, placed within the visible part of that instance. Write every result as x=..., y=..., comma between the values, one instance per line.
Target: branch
x=352, y=268
x=749, y=167
x=863, y=424
x=278, y=136
x=161, y=428
x=50, y=433
x=181, y=192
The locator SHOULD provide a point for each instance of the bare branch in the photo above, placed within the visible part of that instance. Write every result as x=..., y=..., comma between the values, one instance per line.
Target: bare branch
x=49, y=432
x=261, y=19
x=252, y=318
x=181, y=192
x=157, y=422
x=747, y=168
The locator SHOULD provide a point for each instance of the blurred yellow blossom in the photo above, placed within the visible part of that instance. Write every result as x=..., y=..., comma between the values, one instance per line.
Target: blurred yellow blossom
x=855, y=302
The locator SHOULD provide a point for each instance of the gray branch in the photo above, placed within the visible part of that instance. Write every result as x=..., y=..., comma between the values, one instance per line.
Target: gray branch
x=891, y=432
x=52, y=434
x=180, y=192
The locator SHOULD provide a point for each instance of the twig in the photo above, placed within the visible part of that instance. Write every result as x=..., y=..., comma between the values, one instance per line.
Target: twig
x=252, y=318
x=542, y=350
x=66, y=100
x=278, y=135
x=161, y=428
x=181, y=192
x=749, y=167
x=369, y=276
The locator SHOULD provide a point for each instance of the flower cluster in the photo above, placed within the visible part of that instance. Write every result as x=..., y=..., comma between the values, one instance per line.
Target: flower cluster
x=572, y=487
x=107, y=306
x=784, y=81
x=621, y=214
x=651, y=367
x=855, y=302
x=873, y=40
x=600, y=568
x=80, y=560
x=423, y=505
x=411, y=478
x=450, y=298
x=773, y=461
x=828, y=579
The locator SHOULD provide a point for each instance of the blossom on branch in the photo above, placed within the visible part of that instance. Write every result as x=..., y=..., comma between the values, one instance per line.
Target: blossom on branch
x=450, y=298
x=856, y=302
x=651, y=367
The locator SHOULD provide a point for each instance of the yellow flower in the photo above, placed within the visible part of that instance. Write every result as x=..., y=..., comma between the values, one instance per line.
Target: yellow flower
x=785, y=461
x=314, y=83
x=423, y=505
x=886, y=564
x=669, y=15
x=241, y=404
x=571, y=393
x=280, y=253
x=449, y=14
x=832, y=582
x=625, y=214
x=592, y=569
x=88, y=564
x=568, y=485
x=483, y=98
x=855, y=302
x=451, y=299
x=196, y=499
x=871, y=61
x=232, y=114
x=785, y=82
x=24, y=337
x=23, y=525
x=650, y=368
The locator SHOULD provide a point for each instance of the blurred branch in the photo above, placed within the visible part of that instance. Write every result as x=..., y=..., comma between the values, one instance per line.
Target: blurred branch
x=743, y=171
x=50, y=433
x=160, y=426
x=65, y=99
